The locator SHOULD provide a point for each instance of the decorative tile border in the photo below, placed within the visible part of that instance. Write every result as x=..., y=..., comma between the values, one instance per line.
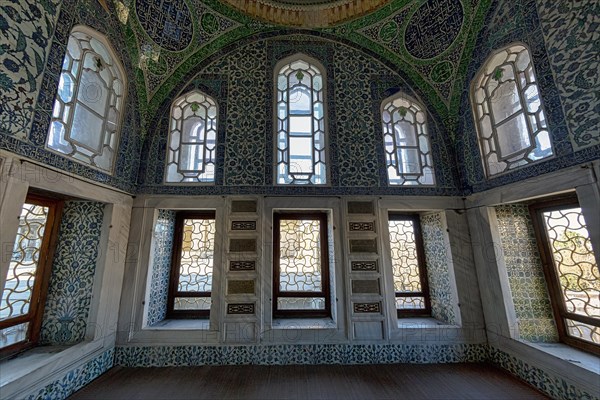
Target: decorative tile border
x=76, y=378
x=289, y=354
x=553, y=385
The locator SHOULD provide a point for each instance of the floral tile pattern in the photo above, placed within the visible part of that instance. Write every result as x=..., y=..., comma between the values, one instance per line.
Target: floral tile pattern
x=25, y=29
x=525, y=274
x=77, y=378
x=290, y=354
x=161, y=266
x=436, y=255
x=572, y=35
x=72, y=279
x=553, y=385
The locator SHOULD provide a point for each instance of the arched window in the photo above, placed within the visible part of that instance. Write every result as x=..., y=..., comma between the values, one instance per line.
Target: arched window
x=509, y=115
x=300, y=122
x=407, y=149
x=192, y=146
x=88, y=108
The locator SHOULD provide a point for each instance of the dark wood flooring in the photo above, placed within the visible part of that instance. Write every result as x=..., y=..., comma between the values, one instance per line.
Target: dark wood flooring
x=345, y=382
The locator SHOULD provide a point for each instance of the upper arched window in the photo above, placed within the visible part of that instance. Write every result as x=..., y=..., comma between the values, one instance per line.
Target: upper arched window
x=509, y=115
x=88, y=108
x=408, y=157
x=300, y=122
x=192, y=145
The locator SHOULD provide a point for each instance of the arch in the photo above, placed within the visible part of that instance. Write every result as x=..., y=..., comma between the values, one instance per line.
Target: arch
x=88, y=108
x=192, y=143
x=300, y=121
x=407, y=147
x=510, y=121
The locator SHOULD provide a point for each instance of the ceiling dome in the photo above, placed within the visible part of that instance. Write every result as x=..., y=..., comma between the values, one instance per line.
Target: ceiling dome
x=306, y=13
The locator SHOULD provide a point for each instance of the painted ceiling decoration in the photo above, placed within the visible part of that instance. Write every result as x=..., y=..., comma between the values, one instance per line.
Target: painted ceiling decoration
x=306, y=13
x=430, y=41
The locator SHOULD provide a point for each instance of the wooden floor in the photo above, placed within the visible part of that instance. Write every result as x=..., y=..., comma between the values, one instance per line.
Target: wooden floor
x=346, y=382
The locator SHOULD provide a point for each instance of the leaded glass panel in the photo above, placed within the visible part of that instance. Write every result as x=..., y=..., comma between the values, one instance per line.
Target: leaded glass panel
x=300, y=122
x=509, y=116
x=87, y=111
x=408, y=156
x=192, y=145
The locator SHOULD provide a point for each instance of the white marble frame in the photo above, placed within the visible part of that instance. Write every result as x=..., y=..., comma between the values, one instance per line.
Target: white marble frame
x=34, y=369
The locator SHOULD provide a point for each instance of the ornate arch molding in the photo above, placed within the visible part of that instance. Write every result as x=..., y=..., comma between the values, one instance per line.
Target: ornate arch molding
x=306, y=13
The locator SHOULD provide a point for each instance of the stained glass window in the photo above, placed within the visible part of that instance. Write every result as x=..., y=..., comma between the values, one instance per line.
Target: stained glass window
x=192, y=265
x=192, y=145
x=87, y=113
x=21, y=307
x=300, y=123
x=509, y=114
x=408, y=269
x=408, y=157
x=572, y=272
x=301, y=265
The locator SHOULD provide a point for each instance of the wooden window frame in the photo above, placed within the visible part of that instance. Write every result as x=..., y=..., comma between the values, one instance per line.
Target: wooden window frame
x=325, y=273
x=552, y=280
x=425, y=312
x=43, y=271
x=176, y=264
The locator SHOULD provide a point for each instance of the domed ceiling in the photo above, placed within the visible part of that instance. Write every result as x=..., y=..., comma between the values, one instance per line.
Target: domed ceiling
x=429, y=41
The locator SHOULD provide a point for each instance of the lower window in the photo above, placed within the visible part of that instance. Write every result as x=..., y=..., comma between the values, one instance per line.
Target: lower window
x=408, y=265
x=192, y=265
x=301, y=265
x=24, y=294
x=571, y=271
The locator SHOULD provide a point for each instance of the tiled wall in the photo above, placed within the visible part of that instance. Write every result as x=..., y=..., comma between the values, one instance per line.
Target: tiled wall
x=161, y=266
x=443, y=302
x=567, y=56
x=242, y=83
x=77, y=378
x=163, y=356
x=525, y=274
x=72, y=279
x=29, y=81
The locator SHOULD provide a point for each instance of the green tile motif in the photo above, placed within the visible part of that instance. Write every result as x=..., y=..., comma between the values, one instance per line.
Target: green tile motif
x=525, y=274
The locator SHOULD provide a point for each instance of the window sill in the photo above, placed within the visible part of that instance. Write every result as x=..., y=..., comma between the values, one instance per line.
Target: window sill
x=569, y=354
x=422, y=323
x=304, y=323
x=181, y=324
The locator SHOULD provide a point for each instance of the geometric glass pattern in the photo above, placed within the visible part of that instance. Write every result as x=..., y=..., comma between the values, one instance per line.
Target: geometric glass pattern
x=192, y=271
x=407, y=149
x=191, y=153
x=509, y=115
x=88, y=108
x=301, y=282
x=300, y=123
x=574, y=268
x=410, y=282
x=22, y=301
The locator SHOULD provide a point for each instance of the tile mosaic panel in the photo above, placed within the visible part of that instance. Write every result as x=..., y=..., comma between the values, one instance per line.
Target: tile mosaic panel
x=436, y=260
x=291, y=354
x=161, y=266
x=72, y=277
x=525, y=274
x=25, y=29
x=77, y=378
x=571, y=34
x=551, y=384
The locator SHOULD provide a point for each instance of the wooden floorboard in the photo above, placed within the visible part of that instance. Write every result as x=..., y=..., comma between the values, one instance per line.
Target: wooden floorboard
x=291, y=382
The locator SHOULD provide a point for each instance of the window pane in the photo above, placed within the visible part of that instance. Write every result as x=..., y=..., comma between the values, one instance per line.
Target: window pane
x=197, y=252
x=300, y=256
x=13, y=334
x=87, y=129
x=192, y=303
x=20, y=280
x=410, y=303
x=574, y=261
x=513, y=136
x=586, y=332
